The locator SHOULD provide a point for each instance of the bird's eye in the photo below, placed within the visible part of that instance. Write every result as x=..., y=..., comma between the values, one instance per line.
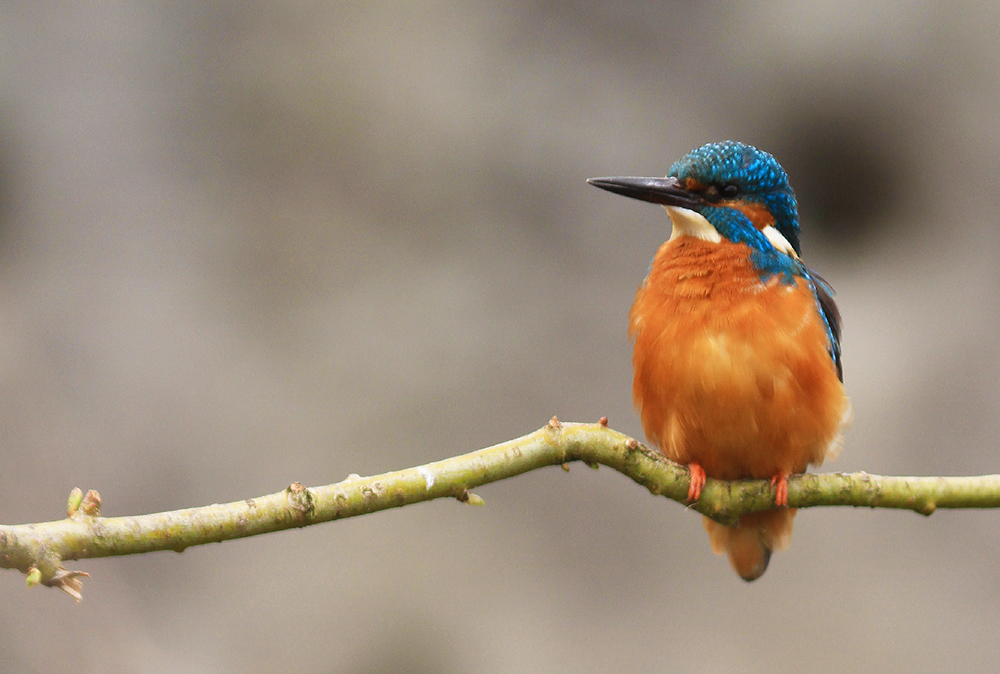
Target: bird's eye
x=729, y=191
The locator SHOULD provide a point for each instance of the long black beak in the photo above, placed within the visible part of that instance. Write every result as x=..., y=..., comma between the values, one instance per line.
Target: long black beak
x=666, y=191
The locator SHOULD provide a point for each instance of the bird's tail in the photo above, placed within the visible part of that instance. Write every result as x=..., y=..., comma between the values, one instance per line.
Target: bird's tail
x=749, y=544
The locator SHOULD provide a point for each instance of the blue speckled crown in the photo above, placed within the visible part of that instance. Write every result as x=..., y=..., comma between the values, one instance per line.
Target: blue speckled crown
x=758, y=175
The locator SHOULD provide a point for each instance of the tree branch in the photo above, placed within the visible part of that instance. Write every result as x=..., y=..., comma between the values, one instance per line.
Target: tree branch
x=38, y=550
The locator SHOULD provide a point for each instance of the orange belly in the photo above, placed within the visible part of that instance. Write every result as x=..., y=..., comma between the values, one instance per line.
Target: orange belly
x=731, y=372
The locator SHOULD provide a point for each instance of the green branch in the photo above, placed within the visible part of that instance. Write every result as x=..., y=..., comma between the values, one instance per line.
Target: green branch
x=39, y=550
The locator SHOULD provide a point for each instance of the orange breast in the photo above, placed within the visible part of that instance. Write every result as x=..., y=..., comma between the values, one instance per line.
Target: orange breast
x=732, y=372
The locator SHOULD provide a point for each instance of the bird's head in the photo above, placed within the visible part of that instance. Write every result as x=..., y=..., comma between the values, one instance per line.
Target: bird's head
x=725, y=189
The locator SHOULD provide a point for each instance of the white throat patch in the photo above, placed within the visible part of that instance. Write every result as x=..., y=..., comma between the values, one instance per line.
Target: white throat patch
x=779, y=241
x=689, y=223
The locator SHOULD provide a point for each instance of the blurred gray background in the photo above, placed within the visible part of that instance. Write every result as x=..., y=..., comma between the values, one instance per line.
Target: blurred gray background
x=243, y=244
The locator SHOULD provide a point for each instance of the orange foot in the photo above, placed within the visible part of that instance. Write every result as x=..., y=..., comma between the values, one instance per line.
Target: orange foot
x=697, y=481
x=780, y=483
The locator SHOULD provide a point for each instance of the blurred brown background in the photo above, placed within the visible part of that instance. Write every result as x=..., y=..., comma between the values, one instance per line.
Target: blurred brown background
x=243, y=244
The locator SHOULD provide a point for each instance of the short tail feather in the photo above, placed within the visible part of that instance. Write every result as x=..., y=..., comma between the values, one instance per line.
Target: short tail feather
x=749, y=544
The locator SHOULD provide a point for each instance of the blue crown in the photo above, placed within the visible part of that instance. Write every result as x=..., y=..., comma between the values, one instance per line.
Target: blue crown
x=757, y=174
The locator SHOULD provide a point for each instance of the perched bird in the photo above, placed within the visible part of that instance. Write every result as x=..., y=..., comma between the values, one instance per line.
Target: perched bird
x=737, y=343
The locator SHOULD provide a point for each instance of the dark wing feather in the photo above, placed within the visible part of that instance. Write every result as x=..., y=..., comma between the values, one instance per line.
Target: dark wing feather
x=824, y=294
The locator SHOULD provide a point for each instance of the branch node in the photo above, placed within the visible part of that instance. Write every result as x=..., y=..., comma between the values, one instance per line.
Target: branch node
x=467, y=497
x=300, y=498
x=603, y=421
x=91, y=504
x=73, y=505
x=555, y=424
x=564, y=466
x=69, y=582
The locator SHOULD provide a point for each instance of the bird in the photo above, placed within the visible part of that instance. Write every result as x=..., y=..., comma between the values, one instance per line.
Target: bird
x=737, y=344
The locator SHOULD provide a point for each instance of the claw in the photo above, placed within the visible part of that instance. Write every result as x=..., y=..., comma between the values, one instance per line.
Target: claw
x=780, y=484
x=697, y=481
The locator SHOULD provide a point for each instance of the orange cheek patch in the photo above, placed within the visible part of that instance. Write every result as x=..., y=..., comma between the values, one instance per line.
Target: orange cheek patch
x=758, y=214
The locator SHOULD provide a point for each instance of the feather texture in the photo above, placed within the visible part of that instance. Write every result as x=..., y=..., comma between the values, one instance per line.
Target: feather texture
x=733, y=373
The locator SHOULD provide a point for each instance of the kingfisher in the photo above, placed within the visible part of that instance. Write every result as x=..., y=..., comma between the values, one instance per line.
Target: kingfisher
x=736, y=358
